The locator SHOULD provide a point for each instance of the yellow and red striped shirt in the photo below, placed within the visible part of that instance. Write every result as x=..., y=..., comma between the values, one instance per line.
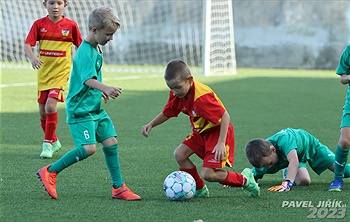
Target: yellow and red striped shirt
x=55, y=46
x=203, y=107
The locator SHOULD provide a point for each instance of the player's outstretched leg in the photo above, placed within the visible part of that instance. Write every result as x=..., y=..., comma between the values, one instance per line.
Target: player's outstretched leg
x=251, y=185
x=48, y=180
x=124, y=193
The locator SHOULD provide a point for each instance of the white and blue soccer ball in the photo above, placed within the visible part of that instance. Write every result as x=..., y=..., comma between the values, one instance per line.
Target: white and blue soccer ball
x=179, y=186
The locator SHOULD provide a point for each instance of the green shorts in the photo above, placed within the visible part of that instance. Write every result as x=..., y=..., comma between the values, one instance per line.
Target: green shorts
x=92, y=132
x=322, y=160
x=345, y=119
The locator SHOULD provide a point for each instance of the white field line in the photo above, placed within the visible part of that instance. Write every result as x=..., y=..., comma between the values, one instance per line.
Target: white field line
x=105, y=79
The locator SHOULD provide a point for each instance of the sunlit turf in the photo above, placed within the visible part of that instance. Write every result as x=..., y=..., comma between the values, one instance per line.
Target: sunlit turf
x=259, y=101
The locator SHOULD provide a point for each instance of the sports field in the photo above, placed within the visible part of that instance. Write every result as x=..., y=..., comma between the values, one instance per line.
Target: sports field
x=260, y=103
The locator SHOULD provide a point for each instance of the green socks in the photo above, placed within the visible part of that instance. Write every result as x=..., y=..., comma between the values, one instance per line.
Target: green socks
x=341, y=157
x=79, y=153
x=112, y=162
x=73, y=156
x=347, y=171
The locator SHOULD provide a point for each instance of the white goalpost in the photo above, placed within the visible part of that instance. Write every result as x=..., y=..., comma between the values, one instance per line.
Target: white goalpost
x=219, y=55
x=152, y=33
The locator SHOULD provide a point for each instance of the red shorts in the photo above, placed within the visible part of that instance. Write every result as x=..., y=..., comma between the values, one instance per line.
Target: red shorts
x=52, y=93
x=204, y=143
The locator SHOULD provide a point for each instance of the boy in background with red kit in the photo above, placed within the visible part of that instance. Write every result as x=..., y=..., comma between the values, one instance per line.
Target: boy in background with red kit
x=55, y=34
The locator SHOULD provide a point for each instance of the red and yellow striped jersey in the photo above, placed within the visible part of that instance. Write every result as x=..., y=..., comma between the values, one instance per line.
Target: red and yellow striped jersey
x=203, y=107
x=55, y=46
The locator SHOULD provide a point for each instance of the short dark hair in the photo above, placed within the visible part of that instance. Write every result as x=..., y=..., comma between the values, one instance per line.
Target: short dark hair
x=176, y=68
x=256, y=149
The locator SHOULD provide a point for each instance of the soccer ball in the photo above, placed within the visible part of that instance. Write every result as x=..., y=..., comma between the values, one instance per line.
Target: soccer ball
x=179, y=186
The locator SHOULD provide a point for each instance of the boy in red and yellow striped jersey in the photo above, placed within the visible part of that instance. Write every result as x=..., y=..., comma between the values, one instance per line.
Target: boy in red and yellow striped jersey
x=212, y=137
x=55, y=34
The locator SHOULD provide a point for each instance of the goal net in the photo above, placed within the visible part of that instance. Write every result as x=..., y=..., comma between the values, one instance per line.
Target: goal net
x=152, y=32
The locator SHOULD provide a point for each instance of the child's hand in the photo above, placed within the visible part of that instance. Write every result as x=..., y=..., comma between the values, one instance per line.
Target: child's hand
x=112, y=92
x=219, y=151
x=145, y=130
x=284, y=187
x=36, y=62
x=105, y=97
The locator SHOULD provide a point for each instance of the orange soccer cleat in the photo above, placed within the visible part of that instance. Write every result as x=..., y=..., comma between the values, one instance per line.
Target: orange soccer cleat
x=124, y=193
x=48, y=180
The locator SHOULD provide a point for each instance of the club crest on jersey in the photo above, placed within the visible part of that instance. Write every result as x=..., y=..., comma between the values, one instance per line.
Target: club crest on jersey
x=65, y=32
x=194, y=113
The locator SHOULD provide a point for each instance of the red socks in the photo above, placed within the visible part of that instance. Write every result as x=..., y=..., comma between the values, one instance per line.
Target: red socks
x=43, y=124
x=199, y=181
x=234, y=179
x=50, y=127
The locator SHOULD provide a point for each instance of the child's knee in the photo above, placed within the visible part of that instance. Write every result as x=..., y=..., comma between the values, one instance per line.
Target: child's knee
x=178, y=155
x=50, y=108
x=208, y=174
x=303, y=182
x=110, y=150
x=344, y=142
x=90, y=149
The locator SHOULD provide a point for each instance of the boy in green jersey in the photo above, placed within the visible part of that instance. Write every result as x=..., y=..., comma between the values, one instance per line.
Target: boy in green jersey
x=290, y=149
x=88, y=122
x=343, y=146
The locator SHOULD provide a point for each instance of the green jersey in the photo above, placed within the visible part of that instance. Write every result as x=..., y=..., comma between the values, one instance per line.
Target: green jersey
x=344, y=69
x=344, y=63
x=83, y=102
x=286, y=140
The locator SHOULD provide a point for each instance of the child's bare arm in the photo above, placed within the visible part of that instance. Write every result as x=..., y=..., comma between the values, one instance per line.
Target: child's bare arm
x=220, y=148
x=225, y=121
x=110, y=91
x=34, y=60
x=293, y=165
x=159, y=119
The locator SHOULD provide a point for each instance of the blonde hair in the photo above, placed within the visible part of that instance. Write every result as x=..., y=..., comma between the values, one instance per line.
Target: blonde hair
x=102, y=17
